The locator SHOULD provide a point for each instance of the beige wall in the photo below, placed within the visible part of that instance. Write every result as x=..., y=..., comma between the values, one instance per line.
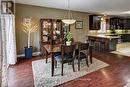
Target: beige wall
x=42, y=12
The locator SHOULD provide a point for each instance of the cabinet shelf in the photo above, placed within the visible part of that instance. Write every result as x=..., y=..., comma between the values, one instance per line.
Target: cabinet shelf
x=119, y=23
x=53, y=31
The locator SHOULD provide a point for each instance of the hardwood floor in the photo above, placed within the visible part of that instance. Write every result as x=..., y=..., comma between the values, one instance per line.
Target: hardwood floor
x=115, y=75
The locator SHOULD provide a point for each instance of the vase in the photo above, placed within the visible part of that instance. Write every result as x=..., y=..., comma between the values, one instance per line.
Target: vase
x=68, y=43
x=28, y=52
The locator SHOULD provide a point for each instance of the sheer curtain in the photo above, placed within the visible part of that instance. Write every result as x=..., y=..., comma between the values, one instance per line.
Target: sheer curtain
x=8, y=22
x=8, y=44
x=0, y=54
x=11, y=40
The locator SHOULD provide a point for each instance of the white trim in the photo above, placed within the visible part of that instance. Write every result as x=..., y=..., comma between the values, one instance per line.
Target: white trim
x=34, y=54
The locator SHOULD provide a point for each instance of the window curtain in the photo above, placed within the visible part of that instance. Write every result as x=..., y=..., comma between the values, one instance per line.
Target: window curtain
x=0, y=54
x=8, y=45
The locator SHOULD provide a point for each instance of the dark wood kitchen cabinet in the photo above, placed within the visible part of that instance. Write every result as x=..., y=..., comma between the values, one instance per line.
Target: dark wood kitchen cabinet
x=127, y=23
x=94, y=22
x=125, y=37
x=119, y=23
x=116, y=23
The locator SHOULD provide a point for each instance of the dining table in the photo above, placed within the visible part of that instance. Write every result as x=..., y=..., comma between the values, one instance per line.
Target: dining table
x=52, y=49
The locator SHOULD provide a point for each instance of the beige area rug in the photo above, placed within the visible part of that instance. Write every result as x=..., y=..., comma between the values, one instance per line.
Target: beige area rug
x=127, y=85
x=42, y=72
x=123, y=49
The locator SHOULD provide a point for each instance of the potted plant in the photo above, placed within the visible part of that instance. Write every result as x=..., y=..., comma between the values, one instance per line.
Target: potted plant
x=69, y=38
x=29, y=27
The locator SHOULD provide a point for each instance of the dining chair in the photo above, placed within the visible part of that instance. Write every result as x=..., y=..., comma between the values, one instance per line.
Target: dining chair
x=44, y=53
x=67, y=56
x=83, y=53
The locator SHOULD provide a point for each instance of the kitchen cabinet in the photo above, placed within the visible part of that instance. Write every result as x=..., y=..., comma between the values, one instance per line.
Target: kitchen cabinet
x=94, y=22
x=127, y=23
x=125, y=37
x=116, y=23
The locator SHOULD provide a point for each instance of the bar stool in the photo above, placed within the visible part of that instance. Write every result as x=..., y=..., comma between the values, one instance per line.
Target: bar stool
x=92, y=43
x=87, y=39
x=97, y=45
x=102, y=45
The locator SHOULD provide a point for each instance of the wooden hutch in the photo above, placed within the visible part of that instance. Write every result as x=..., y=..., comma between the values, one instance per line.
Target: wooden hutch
x=53, y=31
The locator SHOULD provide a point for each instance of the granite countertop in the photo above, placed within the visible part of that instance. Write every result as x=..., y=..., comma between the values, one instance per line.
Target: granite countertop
x=106, y=36
x=117, y=34
x=109, y=35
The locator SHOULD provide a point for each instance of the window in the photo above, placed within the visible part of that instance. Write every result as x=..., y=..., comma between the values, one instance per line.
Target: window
x=102, y=26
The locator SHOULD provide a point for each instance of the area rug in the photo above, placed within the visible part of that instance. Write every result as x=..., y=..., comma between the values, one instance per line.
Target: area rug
x=42, y=72
x=123, y=51
x=127, y=85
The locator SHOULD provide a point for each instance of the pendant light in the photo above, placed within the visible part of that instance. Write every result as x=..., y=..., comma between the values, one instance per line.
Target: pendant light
x=68, y=19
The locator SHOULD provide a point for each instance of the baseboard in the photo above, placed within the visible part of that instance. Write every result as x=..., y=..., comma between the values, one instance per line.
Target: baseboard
x=34, y=54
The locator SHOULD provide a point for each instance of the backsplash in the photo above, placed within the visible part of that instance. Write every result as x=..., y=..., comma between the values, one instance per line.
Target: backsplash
x=109, y=32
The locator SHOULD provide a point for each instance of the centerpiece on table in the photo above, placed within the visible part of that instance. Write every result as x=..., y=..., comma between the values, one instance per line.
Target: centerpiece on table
x=28, y=26
x=69, y=38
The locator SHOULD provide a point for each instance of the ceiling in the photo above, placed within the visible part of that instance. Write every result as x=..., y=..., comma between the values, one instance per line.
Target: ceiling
x=107, y=7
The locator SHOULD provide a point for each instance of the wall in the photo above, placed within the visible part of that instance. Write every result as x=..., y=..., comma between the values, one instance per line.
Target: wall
x=37, y=13
x=0, y=54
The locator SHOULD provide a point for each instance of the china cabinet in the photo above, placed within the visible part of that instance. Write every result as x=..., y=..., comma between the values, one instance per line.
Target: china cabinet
x=53, y=31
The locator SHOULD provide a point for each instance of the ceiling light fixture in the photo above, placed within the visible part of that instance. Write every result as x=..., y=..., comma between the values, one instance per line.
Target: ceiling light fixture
x=68, y=18
x=126, y=12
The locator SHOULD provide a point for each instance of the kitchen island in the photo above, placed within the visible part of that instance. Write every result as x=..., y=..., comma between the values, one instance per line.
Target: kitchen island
x=107, y=42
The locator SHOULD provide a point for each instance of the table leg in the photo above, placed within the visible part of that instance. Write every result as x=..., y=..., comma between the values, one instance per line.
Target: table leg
x=52, y=67
x=90, y=53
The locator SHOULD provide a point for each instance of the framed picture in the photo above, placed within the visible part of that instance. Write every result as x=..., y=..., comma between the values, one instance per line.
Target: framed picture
x=79, y=24
x=3, y=7
x=7, y=7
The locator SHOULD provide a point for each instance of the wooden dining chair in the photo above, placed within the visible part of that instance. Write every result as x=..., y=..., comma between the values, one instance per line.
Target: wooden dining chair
x=44, y=53
x=83, y=52
x=67, y=56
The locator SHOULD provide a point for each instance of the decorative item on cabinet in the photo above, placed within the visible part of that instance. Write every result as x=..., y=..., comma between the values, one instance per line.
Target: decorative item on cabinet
x=51, y=31
x=46, y=27
x=57, y=32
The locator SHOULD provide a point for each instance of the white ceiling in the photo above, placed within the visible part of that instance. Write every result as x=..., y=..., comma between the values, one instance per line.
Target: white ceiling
x=108, y=7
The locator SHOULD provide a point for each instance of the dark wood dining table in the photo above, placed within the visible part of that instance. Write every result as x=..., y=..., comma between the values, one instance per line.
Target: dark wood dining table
x=57, y=48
